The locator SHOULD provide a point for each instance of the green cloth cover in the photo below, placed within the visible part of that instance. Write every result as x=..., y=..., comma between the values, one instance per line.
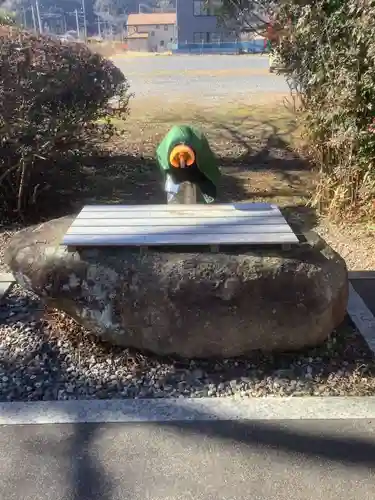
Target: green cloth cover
x=193, y=137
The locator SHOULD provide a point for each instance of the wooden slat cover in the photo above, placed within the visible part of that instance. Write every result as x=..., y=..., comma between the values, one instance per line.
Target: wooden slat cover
x=174, y=221
x=227, y=207
x=132, y=225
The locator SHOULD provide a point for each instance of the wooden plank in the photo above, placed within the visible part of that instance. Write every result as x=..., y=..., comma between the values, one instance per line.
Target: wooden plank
x=177, y=221
x=6, y=277
x=199, y=210
x=175, y=230
x=253, y=207
x=131, y=214
x=179, y=239
x=152, y=225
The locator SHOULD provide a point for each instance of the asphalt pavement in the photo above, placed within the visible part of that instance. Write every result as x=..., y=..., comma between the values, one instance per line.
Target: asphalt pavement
x=279, y=460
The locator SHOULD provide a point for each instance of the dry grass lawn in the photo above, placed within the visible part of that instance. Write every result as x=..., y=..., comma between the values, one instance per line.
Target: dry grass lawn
x=253, y=140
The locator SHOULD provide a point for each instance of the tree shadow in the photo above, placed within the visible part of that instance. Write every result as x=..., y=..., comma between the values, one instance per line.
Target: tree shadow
x=110, y=179
x=258, y=164
x=267, y=167
x=262, y=146
x=87, y=477
x=74, y=452
x=262, y=435
x=105, y=178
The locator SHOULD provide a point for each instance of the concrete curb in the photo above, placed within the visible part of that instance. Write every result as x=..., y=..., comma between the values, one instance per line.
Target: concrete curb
x=7, y=281
x=187, y=409
x=362, y=317
x=361, y=275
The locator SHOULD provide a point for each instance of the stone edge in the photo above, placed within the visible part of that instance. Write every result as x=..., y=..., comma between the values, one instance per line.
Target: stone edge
x=187, y=409
x=8, y=279
x=361, y=275
x=362, y=317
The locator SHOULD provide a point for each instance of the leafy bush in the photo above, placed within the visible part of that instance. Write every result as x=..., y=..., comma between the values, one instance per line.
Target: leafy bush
x=330, y=51
x=51, y=98
x=6, y=18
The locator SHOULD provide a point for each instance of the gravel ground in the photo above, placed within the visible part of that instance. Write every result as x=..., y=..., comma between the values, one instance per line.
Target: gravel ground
x=198, y=75
x=47, y=356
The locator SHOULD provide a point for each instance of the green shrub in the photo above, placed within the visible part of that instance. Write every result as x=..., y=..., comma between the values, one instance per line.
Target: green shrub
x=330, y=51
x=6, y=18
x=52, y=94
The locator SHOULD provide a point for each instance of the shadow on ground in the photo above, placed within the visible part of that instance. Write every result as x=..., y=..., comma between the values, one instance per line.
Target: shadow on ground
x=84, y=454
x=120, y=179
x=256, y=161
x=188, y=459
x=251, y=141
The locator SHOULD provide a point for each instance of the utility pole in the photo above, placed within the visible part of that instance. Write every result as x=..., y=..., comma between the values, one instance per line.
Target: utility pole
x=24, y=22
x=38, y=16
x=99, y=28
x=33, y=16
x=145, y=6
x=77, y=23
x=84, y=20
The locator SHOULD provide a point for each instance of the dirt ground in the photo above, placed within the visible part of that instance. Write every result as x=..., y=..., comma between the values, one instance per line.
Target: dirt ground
x=256, y=141
x=252, y=142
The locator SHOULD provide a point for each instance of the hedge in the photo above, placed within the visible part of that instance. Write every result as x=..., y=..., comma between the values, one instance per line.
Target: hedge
x=330, y=53
x=52, y=95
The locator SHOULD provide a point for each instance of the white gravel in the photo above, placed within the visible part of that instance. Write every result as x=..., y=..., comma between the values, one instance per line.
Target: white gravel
x=47, y=356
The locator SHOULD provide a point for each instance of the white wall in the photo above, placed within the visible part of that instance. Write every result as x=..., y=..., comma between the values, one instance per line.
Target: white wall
x=157, y=35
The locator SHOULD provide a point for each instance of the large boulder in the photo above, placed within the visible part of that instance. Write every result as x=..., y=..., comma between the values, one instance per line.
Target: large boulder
x=187, y=303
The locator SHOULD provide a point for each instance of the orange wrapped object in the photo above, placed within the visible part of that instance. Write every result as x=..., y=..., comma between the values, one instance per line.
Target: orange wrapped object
x=182, y=155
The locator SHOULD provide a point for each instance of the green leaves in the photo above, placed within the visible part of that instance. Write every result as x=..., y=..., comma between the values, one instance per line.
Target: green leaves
x=330, y=51
x=51, y=97
x=245, y=15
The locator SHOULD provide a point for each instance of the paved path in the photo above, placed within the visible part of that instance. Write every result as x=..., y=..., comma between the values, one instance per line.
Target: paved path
x=271, y=449
x=366, y=289
x=361, y=304
x=206, y=76
x=283, y=460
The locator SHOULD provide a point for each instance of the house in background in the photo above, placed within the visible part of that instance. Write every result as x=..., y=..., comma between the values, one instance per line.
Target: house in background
x=155, y=32
x=198, y=24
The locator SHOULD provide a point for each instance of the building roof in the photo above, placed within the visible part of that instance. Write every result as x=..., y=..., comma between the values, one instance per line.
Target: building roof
x=154, y=18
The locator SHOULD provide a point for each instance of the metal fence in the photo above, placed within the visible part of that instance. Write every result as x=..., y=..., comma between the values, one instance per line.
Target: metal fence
x=249, y=47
